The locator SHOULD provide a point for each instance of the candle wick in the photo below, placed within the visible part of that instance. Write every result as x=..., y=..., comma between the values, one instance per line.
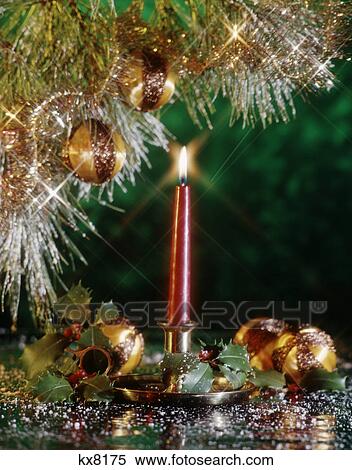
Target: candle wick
x=183, y=180
x=183, y=167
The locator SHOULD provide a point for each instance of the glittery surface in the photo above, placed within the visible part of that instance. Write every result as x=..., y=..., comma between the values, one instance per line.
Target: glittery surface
x=271, y=421
x=103, y=148
x=257, y=334
x=101, y=145
x=305, y=340
x=154, y=77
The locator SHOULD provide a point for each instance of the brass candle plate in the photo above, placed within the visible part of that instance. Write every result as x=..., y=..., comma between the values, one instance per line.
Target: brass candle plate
x=150, y=389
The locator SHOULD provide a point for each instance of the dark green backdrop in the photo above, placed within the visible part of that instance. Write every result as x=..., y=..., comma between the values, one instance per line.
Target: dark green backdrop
x=272, y=213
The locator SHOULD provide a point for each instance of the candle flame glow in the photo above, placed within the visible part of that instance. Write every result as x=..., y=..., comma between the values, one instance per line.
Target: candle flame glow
x=183, y=165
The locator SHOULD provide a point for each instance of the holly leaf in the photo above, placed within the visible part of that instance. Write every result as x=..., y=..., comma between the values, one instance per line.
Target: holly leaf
x=178, y=364
x=76, y=295
x=76, y=302
x=66, y=365
x=268, y=378
x=235, y=357
x=221, y=344
x=97, y=388
x=42, y=354
x=198, y=380
x=50, y=388
x=93, y=336
x=321, y=379
x=236, y=378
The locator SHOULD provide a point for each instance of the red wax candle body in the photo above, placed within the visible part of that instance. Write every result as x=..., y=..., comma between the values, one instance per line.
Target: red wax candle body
x=180, y=261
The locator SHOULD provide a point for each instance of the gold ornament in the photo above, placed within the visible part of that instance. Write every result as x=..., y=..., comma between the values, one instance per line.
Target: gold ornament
x=148, y=82
x=309, y=348
x=124, y=355
x=95, y=152
x=260, y=335
x=128, y=346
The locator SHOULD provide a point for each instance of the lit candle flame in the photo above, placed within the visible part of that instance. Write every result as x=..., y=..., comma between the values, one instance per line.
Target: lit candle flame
x=183, y=165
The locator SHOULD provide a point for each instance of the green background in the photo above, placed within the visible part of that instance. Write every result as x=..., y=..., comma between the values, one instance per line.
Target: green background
x=271, y=211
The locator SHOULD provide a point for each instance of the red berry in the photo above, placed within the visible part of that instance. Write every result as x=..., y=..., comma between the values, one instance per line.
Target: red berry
x=73, y=379
x=76, y=328
x=294, y=388
x=73, y=332
x=68, y=332
x=209, y=353
x=81, y=374
x=76, y=377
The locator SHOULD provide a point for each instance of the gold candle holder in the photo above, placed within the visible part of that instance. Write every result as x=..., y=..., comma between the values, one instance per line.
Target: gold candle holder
x=178, y=339
x=159, y=389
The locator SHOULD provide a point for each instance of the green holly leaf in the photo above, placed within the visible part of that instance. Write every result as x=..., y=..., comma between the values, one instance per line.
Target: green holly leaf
x=42, y=354
x=77, y=301
x=321, y=379
x=236, y=378
x=178, y=364
x=235, y=357
x=49, y=388
x=97, y=388
x=93, y=336
x=268, y=378
x=198, y=380
x=66, y=365
x=76, y=295
x=220, y=344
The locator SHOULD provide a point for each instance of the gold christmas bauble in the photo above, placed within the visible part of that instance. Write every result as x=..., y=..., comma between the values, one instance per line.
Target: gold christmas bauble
x=128, y=346
x=309, y=348
x=259, y=336
x=94, y=152
x=148, y=82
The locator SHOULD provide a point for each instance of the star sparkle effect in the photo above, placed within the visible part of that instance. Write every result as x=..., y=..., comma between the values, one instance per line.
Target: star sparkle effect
x=261, y=55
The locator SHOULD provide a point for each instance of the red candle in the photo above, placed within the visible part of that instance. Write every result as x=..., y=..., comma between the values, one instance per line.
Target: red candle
x=180, y=261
